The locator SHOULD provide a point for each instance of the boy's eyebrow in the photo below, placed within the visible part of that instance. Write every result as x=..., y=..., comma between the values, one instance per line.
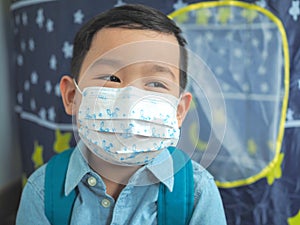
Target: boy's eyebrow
x=107, y=61
x=116, y=63
x=161, y=68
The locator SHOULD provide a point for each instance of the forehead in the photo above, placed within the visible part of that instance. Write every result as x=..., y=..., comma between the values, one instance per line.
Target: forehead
x=130, y=46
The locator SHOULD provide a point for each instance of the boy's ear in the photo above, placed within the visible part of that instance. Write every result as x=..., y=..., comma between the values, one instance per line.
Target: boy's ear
x=183, y=107
x=68, y=90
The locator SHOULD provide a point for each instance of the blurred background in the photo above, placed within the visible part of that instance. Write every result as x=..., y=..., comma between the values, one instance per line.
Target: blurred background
x=10, y=161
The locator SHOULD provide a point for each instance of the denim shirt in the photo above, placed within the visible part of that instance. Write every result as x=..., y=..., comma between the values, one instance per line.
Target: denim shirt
x=136, y=204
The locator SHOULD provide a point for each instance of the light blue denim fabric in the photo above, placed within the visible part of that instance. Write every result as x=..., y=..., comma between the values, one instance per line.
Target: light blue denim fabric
x=135, y=205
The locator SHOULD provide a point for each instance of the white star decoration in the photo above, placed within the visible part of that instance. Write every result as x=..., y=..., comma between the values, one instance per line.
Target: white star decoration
x=20, y=60
x=78, y=17
x=222, y=51
x=236, y=77
x=48, y=87
x=255, y=42
x=42, y=113
x=209, y=36
x=57, y=90
x=119, y=3
x=268, y=35
x=50, y=25
x=219, y=70
x=245, y=87
x=225, y=87
x=229, y=36
x=67, y=50
x=20, y=97
x=290, y=114
x=198, y=40
x=262, y=70
x=26, y=85
x=31, y=44
x=294, y=10
x=40, y=18
x=51, y=114
x=238, y=52
x=53, y=62
x=32, y=104
x=24, y=19
x=179, y=4
x=264, y=87
x=34, y=77
x=261, y=3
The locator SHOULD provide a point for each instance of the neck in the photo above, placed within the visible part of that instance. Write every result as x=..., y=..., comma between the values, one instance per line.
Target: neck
x=114, y=176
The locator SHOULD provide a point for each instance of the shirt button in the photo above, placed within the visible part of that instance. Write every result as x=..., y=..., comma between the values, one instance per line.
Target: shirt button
x=92, y=181
x=105, y=203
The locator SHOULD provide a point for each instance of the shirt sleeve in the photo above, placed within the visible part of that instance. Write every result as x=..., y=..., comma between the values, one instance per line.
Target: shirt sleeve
x=208, y=209
x=31, y=208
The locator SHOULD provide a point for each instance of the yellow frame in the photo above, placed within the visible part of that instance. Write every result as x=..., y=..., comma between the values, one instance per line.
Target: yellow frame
x=280, y=26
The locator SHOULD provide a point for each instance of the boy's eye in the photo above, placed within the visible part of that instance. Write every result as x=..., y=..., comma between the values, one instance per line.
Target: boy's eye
x=156, y=84
x=111, y=77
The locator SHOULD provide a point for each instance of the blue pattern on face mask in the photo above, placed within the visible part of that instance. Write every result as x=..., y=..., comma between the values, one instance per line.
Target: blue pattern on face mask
x=166, y=119
x=153, y=101
x=133, y=155
x=144, y=117
x=90, y=116
x=158, y=147
x=112, y=114
x=102, y=129
x=172, y=133
x=134, y=148
x=154, y=134
x=100, y=96
x=127, y=132
x=106, y=147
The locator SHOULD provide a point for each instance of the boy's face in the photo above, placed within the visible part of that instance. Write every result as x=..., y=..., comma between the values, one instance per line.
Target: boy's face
x=121, y=57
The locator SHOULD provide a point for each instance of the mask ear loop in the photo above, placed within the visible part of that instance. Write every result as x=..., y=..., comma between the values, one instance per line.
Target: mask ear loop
x=77, y=87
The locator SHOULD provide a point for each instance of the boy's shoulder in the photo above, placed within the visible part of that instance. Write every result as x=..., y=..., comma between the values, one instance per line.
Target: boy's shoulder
x=203, y=180
x=38, y=174
x=200, y=171
x=37, y=180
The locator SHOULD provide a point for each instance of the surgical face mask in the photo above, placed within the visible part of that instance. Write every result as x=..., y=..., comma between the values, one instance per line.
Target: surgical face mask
x=127, y=126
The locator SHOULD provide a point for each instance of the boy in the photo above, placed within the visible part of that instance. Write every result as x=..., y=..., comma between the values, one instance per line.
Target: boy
x=128, y=102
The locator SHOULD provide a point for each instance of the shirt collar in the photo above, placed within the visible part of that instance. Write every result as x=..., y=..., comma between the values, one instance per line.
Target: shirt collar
x=77, y=168
x=161, y=168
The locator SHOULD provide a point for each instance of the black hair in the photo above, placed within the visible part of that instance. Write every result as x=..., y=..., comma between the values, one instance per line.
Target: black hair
x=131, y=16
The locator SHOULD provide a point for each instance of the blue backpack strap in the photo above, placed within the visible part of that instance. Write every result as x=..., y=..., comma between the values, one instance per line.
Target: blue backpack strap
x=58, y=207
x=176, y=207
